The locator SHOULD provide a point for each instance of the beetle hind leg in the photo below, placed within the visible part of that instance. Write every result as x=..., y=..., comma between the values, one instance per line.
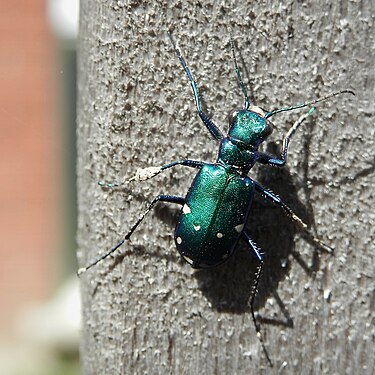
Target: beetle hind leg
x=254, y=291
x=143, y=174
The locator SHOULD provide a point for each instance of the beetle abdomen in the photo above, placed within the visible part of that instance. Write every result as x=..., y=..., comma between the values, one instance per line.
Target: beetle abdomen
x=213, y=217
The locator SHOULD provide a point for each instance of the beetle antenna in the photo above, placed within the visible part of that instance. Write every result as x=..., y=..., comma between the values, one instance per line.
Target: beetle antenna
x=307, y=104
x=247, y=103
x=111, y=184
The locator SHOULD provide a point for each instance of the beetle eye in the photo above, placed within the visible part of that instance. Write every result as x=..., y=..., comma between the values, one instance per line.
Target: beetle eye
x=232, y=117
x=267, y=130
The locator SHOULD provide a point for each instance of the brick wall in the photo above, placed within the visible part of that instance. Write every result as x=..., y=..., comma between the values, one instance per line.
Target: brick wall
x=29, y=163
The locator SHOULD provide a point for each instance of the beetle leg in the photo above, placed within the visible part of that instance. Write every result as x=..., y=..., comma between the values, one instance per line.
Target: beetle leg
x=143, y=174
x=161, y=198
x=265, y=158
x=254, y=290
x=301, y=224
x=212, y=128
x=146, y=173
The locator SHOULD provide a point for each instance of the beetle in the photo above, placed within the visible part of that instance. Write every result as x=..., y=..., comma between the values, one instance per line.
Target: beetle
x=215, y=210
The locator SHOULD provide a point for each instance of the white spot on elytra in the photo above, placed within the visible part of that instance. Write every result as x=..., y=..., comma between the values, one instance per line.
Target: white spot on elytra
x=219, y=235
x=179, y=240
x=238, y=228
x=186, y=209
x=197, y=227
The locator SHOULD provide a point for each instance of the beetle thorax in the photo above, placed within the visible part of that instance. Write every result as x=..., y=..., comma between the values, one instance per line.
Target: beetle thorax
x=237, y=154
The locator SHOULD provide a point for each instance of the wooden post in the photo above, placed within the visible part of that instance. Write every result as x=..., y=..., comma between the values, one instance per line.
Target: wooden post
x=145, y=311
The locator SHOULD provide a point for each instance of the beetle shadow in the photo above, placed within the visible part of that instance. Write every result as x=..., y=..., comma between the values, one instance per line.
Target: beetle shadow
x=228, y=287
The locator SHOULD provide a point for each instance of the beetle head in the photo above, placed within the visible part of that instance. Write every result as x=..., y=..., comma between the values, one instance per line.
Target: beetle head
x=249, y=126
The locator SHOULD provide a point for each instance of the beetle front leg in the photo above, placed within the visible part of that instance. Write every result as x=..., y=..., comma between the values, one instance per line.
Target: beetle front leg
x=265, y=158
x=210, y=125
x=159, y=198
x=300, y=223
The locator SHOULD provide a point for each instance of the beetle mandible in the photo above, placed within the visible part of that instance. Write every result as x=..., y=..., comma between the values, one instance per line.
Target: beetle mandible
x=216, y=207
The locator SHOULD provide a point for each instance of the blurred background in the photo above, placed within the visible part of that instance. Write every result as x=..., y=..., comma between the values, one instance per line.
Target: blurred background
x=39, y=314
